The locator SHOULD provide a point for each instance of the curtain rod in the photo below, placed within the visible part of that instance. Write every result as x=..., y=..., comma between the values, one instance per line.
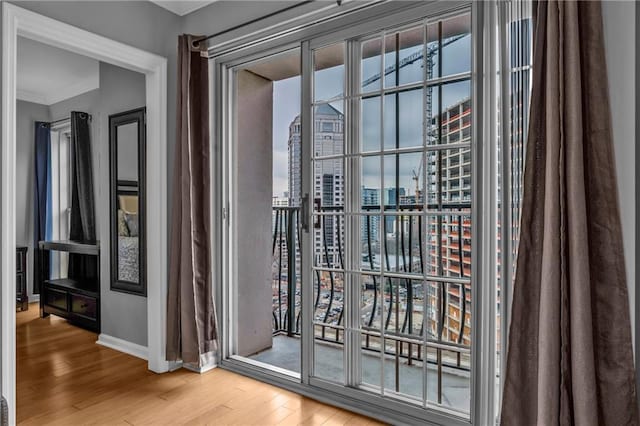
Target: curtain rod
x=65, y=119
x=196, y=42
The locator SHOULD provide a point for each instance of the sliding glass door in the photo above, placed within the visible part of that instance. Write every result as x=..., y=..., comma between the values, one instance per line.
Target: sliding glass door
x=391, y=236
x=350, y=176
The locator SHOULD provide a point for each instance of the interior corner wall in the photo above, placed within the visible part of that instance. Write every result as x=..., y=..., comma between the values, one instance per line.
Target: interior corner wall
x=123, y=315
x=141, y=24
x=253, y=175
x=27, y=113
x=619, y=19
x=148, y=27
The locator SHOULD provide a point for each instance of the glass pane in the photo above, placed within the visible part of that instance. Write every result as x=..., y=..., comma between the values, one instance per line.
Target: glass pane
x=328, y=135
x=328, y=291
x=328, y=357
x=403, y=372
x=456, y=45
x=370, y=360
x=403, y=119
x=370, y=125
x=329, y=185
x=328, y=294
x=402, y=244
x=411, y=118
x=390, y=59
x=370, y=242
x=433, y=51
x=449, y=179
x=446, y=373
x=404, y=51
x=329, y=241
x=411, y=55
x=371, y=65
x=403, y=181
x=432, y=115
x=328, y=76
x=411, y=375
x=370, y=179
x=370, y=303
x=449, y=246
x=456, y=113
x=390, y=121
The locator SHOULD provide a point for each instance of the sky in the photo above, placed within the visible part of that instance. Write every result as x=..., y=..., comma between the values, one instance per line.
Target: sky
x=328, y=84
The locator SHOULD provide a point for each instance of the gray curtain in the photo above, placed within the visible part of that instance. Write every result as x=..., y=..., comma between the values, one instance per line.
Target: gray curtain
x=82, y=217
x=42, y=194
x=569, y=357
x=191, y=321
x=83, y=221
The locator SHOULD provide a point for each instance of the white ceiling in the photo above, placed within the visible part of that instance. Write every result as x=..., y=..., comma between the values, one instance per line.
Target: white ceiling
x=47, y=74
x=183, y=7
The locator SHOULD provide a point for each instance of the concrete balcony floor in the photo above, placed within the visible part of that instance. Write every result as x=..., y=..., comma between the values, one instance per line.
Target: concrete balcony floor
x=285, y=353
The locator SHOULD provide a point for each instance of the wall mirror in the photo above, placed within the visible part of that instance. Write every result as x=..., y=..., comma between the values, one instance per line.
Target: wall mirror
x=127, y=140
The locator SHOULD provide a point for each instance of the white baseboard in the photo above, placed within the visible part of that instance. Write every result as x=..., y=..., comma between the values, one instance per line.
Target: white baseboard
x=133, y=349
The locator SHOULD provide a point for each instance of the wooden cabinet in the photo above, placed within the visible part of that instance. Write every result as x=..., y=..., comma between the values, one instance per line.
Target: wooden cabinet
x=77, y=297
x=22, y=298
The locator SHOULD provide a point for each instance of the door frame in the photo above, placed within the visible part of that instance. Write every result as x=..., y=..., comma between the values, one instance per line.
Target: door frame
x=17, y=21
x=256, y=45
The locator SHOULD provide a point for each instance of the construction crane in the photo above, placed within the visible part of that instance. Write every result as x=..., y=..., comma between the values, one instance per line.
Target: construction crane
x=432, y=51
x=416, y=178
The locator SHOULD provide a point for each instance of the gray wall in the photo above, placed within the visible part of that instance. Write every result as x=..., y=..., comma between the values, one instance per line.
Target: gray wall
x=149, y=27
x=253, y=206
x=620, y=44
x=123, y=315
x=26, y=114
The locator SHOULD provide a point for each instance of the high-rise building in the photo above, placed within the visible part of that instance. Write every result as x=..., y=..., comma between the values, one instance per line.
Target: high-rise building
x=370, y=226
x=449, y=236
x=328, y=179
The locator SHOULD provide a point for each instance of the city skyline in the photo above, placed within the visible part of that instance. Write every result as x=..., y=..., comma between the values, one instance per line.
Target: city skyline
x=286, y=108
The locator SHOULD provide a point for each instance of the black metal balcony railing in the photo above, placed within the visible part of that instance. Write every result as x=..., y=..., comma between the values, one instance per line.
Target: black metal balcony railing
x=447, y=316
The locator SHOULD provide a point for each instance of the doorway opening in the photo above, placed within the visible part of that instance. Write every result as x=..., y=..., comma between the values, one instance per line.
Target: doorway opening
x=267, y=148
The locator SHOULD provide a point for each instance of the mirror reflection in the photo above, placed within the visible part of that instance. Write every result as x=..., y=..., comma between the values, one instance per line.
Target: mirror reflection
x=127, y=140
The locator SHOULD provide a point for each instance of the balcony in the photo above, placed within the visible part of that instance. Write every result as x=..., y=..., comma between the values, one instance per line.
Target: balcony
x=397, y=306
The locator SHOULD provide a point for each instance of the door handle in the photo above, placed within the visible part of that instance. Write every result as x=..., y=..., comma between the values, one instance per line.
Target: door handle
x=304, y=212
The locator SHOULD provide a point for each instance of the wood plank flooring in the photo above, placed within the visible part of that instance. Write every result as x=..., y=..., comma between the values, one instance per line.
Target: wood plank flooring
x=65, y=378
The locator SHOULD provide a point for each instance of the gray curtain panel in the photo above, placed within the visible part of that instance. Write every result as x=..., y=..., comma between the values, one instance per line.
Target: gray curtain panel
x=83, y=220
x=41, y=208
x=191, y=321
x=570, y=358
x=82, y=217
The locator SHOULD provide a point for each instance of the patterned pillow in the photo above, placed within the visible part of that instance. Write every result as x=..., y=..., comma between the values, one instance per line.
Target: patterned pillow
x=132, y=223
x=123, y=230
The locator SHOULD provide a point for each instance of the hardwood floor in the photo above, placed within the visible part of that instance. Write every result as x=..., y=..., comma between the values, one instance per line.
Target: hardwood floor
x=64, y=377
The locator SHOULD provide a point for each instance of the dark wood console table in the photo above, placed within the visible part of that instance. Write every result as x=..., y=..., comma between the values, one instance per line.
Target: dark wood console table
x=77, y=297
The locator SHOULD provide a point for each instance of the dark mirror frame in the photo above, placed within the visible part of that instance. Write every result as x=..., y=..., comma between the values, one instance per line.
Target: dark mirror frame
x=134, y=116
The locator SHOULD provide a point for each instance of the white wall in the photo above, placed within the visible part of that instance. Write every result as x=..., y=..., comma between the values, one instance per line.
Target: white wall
x=619, y=19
